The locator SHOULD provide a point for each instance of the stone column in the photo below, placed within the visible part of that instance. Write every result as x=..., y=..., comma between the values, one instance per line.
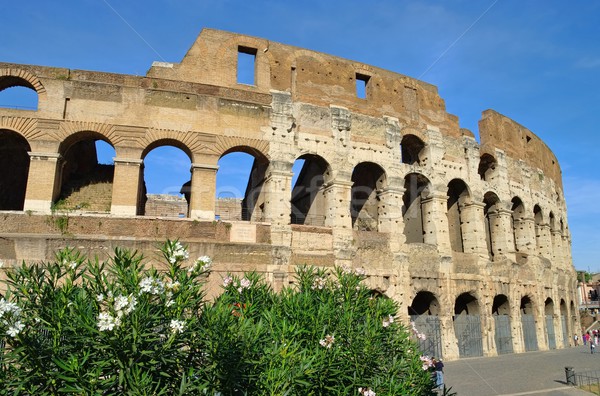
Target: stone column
x=127, y=187
x=473, y=228
x=43, y=181
x=390, y=216
x=501, y=234
x=202, y=197
x=525, y=235
x=557, y=248
x=337, y=198
x=545, y=241
x=278, y=193
x=435, y=222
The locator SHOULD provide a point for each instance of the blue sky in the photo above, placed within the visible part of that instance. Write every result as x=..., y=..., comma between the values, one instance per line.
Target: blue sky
x=536, y=62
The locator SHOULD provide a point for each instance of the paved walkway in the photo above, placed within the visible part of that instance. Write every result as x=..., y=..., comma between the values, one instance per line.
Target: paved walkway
x=531, y=373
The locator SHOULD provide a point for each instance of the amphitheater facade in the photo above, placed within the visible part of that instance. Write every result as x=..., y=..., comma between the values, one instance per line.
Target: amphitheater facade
x=471, y=238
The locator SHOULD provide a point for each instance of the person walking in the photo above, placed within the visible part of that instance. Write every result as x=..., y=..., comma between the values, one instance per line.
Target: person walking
x=438, y=366
x=592, y=346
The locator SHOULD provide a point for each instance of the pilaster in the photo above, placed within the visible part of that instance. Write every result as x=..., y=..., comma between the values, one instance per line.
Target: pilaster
x=127, y=187
x=43, y=181
x=202, y=198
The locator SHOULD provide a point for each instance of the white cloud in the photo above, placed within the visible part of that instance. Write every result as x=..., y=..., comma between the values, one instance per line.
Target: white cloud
x=588, y=63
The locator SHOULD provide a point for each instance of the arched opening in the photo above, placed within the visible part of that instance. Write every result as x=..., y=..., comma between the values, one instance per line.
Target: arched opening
x=563, y=322
x=487, y=167
x=308, y=203
x=166, y=187
x=467, y=326
x=411, y=148
x=502, y=328
x=458, y=195
x=416, y=188
x=490, y=212
x=538, y=219
x=528, y=324
x=17, y=93
x=423, y=312
x=553, y=233
x=550, y=331
x=86, y=175
x=240, y=180
x=368, y=179
x=574, y=328
x=14, y=160
x=519, y=232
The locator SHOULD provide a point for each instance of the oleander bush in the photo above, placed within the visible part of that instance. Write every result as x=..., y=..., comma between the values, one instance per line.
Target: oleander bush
x=83, y=327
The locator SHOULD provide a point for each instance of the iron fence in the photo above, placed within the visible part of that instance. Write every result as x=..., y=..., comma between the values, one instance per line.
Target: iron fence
x=588, y=381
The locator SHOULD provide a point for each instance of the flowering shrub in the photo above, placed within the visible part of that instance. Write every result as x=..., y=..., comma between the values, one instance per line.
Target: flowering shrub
x=78, y=326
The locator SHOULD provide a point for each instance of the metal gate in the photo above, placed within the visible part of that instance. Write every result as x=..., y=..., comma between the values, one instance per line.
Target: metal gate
x=563, y=320
x=529, y=334
x=430, y=326
x=503, y=335
x=550, y=331
x=468, y=334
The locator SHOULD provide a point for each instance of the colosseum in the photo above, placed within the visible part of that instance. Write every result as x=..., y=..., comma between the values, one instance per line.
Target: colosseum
x=471, y=238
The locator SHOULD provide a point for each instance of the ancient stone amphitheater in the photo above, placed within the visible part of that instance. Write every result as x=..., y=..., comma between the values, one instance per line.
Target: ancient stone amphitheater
x=471, y=238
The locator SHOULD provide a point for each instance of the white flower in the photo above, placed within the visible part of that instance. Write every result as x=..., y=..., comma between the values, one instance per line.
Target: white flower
x=121, y=302
x=151, y=285
x=388, y=321
x=106, y=321
x=245, y=283
x=318, y=283
x=360, y=271
x=328, y=341
x=72, y=265
x=177, y=326
x=366, y=392
x=15, y=329
x=227, y=281
x=100, y=297
x=173, y=285
x=201, y=264
x=169, y=303
x=9, y=307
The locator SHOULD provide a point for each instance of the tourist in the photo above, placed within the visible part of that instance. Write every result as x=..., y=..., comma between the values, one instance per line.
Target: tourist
x=439, y=372
x=592, y=347
x=576, y=338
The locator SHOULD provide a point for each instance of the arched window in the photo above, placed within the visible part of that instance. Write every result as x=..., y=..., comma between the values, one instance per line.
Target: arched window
x=458, y=194
x=14, y=160
x=416, y=188
x=87, y=172
x=240, y=180
x=166, y=186
x=518, y=214
x=17, y=93
x=367, y=179
x=487, y=167
x=308, y=201
x=490, y=211
x=411, y=149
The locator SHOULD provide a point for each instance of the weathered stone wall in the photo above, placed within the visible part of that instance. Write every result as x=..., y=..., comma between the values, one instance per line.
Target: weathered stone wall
x=445, y=225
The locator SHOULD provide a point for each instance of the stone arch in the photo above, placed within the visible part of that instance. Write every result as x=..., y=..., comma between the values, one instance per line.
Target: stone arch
x=501, y=312
x=538, y=217
x=252, y=205
x=166, y=203
x=85, y=184
x=14, y=160
x=19, y=77
x=550, y=328
x=458, y=197
x=467, y=325
x=368, y=180
x=33, y=90
x=466, y=304
x=308, y=201
x=528, y=323
x=517, y=224
x=424, y=303
x=411, y=149
x=416, y=188
x=424, y=314
x=491, y=212
x=487, y=167
x=501, y=305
